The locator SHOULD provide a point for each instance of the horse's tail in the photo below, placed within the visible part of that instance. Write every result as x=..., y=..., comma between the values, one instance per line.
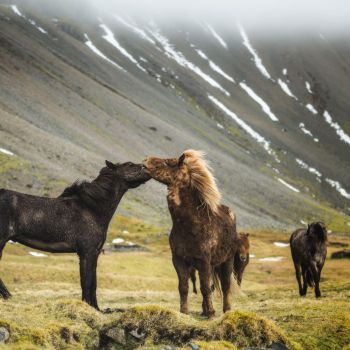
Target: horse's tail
x=4, y=292
x=309, y=278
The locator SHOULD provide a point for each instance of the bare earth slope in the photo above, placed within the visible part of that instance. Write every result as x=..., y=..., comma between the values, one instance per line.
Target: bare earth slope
x=73, y=93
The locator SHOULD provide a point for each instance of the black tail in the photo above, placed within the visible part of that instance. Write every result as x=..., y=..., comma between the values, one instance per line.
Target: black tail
x=4, y=293
x=310, y=279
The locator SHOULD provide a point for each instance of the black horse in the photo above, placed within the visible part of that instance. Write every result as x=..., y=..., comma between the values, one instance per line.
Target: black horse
x=309, y=251
x=75, y=222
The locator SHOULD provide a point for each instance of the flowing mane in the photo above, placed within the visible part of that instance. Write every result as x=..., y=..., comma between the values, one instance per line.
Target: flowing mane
x=202, y=179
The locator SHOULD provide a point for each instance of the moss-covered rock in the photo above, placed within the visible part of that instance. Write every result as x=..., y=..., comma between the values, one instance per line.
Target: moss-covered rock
x=161, y=325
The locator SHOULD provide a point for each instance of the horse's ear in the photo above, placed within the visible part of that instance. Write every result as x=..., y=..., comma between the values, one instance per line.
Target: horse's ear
x=181, y=159
x=110, y=165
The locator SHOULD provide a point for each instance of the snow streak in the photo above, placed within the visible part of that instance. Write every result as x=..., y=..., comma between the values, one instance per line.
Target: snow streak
x=256, y=136
x=265, y=107
x=257, y=59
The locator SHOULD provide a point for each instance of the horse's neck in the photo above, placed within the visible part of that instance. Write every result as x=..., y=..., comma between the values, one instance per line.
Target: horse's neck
x=184, y=203
x=115, y=194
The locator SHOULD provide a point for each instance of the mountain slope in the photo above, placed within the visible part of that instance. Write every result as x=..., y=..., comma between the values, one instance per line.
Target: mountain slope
x=271, y=115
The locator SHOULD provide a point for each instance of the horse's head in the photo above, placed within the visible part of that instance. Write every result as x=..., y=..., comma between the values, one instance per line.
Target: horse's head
x=317, y=230
x=167, y=170
x=132, y=174
x=243, y=249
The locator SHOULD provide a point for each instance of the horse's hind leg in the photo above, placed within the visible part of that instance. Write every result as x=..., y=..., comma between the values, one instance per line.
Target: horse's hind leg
x=193, y=279
x=225, y=280
x=4, y=293
x=305, y=281
x=298, y=277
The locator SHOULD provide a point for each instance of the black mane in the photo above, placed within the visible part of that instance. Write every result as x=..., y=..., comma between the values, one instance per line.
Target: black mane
x=92, y=193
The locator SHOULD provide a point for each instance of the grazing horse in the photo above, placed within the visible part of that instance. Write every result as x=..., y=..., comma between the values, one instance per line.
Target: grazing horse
x=75, y=222
x=309, y=251
x=240, y=261
x=204, y=234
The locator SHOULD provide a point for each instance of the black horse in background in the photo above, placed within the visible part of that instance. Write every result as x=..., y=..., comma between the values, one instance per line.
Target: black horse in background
x=309, y=251
x=75, y=222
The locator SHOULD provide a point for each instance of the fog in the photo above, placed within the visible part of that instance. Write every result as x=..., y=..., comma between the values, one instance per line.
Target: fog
x=259, y=14
x=264, y=16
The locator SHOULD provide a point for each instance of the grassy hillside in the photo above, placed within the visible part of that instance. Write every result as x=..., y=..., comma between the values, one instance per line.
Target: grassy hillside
x=45, y=310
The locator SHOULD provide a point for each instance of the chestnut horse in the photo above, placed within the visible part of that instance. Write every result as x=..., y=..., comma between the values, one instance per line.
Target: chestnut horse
x=240, y=261
x=204, y=234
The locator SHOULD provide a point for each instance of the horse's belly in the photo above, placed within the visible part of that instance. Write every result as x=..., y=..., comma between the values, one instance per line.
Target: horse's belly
x=52, y=247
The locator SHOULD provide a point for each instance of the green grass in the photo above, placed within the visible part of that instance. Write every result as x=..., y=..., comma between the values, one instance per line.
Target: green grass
x=46, y=310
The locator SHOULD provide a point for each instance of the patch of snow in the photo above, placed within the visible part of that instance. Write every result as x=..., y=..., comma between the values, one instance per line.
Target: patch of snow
x=55, y=20
x=93, y=48
x=288, y=185
x=38, y=255
x=143, y=59
x=32, y=22
x=305, y=166
x=341, y=133
x=219, y=126
x=214, y=66
x=109, y=37
x=303, y=222
x=338, y=187
x=311, y=108
x=117, y=240
x=17, y=11
x=217, y=36
x=42, y=30
x=12, y=242
x=308, y=87
x=257, y=59
x=252, y=255
x=272, y=258
x=171, y=52
x=6, y=151
x=281, y=244
x=125, y=232
x=307, y=132
x=284, y=71
x=286, y=89
x=265, y=107
x=256, y=136
x=137, y=30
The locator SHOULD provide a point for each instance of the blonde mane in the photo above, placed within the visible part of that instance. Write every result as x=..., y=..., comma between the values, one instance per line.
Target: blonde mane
x=202, y=179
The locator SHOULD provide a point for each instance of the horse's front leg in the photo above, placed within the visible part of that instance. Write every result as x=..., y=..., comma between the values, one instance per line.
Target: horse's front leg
x=183, y=275
x=4, y=293
x=204, y=271
x=88, y=263
x=316, y=277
